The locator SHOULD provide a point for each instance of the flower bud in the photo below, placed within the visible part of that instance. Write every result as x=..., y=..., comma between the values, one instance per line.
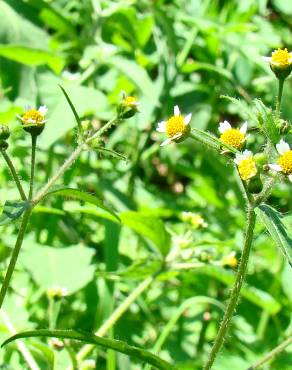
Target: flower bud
x=260, y=159
x=128, y=107
x=4, y=132
x=255, y=185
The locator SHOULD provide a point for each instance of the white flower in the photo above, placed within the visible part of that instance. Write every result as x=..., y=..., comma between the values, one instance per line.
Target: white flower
x=284, y=162
x=225, y=126
x=241, y=156
x=232, y=136
x=246, y=165
x=280, y=58
x=34, y=116
x=176, y=127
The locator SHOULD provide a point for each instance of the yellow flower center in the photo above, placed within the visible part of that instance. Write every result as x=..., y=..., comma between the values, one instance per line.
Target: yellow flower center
x=233, y=137
x=285, y=161
x=247, y=168
x=130, y=101
x=175, y=125
x=230, y=260
x=32, y=115
x=281, y=57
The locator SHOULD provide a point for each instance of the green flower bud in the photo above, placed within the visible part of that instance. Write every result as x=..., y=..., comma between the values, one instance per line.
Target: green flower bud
x=4, y=132
x=128, y=107
x=255, y=185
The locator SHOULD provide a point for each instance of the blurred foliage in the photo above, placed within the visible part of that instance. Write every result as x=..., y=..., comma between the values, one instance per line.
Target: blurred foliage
x=164, y=52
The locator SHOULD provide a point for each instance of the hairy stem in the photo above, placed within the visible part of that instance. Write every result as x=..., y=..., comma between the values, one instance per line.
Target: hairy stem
x=280, y=94
x=271, y=354
x=32, y=167
x=14, y=255
x=14, y=174
x=234, y=297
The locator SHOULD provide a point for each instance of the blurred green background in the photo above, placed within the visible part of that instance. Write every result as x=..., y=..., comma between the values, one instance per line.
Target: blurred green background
x=185, y=52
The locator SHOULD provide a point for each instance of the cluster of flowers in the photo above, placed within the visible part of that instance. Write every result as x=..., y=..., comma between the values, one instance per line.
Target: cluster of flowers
x=177, y=128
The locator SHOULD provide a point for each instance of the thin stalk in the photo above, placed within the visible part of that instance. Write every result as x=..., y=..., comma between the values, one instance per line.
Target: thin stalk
x=14, y=174
x=21, y=346
x=116, y=315
x=280, y=94
x=32, y=167
x=271, y=354
x=14, y=255
x=234, y=297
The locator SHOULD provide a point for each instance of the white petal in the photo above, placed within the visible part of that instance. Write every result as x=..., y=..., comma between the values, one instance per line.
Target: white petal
x=243, y=128
x=166, y=142
x=282, y=147
x=290, y=177
x=27, y=107
x=238, y=158
x=161, y=126
x=267, y=59
x=187, y=118
x=176, y=110
x=43, y=110
x=247, y=154
x=275, y=167
x=224, y=126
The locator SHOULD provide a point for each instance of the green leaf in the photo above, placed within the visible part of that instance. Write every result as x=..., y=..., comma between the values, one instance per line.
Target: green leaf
x=12, y=210
x=272, y=220
x=267, y=121
x=113, y=344
x=85, y=197
x=31, y=56
x=78, y=120
x=69, y=267
x=150, y=227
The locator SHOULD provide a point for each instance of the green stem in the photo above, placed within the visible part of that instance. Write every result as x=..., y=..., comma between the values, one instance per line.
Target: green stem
x=14, y=174
x=32, y=168
x=280, y=93
x=271, y=354
x=234, y=297
x=14, y=256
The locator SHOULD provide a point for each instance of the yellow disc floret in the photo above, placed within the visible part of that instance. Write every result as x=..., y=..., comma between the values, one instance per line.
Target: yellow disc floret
x=32, y=116
x=175, y=125
x=281, y=57
x=247, y=168
x=130, y=101
x=230, y=260
x=285, y=161
x=233, y=137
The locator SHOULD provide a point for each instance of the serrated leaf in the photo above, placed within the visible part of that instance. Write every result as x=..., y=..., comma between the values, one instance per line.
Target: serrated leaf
x=150, y=227
x=12, y=210
x=107, y=343
x=272, y=220
x=85, y=197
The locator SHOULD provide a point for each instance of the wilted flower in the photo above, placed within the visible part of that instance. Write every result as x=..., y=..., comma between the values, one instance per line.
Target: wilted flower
x=176, y=127
x=246, y=165
x=33, y=120
x=284, y=162
x=232, y=136
x=280, y=62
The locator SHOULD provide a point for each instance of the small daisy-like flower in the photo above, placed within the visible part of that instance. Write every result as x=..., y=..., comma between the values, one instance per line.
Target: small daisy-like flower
x=246, y=165
x=57, y=292
x=33, y=116
x=280, y=58
x=284, y=162
x=128, y=107
x=176, y=127
x=232, y=136
x=230, y=260
x=194, y=219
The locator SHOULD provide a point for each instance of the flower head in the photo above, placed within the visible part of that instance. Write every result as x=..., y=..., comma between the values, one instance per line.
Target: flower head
x=246, y=165
x=128, y=106
x=284, y=161
x=176, y=127
x=57, y=292
x=280, y=63
x=233, y=136
x=230, y=260
x=33, y=120
x=194, y=219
